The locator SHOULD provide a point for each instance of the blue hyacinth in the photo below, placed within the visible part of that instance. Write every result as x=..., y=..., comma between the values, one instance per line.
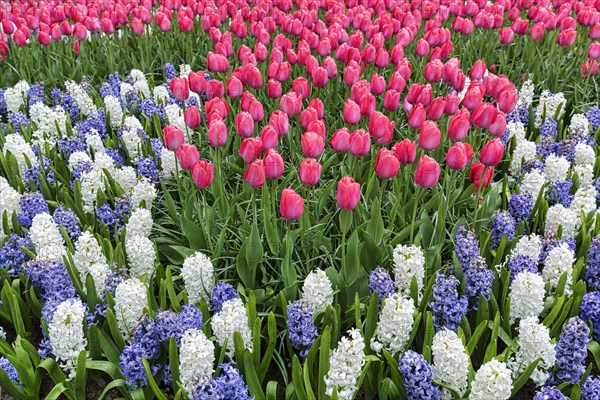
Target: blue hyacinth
x=550, y=393
x=301, y=327
x=170, y=71
x=548, y=129
x=592, y=275
x=232, y=383
x=381, y=282
x=68, y=220
x=571, y=351
x=503, y=225
x=221, y=293
x=593, y=115
x=590, y=390
x=560, y=193
x=11, y=254
x=447, y=306
x=31, y=204
x=466, y=247
x=417, y=376
x=210, y=389
x=590, y=311
x=479, y=281
x=11, y=371
x=520, y=206
x=521, y=263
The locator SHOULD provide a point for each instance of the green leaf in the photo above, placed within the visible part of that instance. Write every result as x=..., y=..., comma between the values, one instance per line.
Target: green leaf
x=251, y=378
x=518, y=384
x=297, y=379
x=324, y=360
x=151, y=382
x=350, y=264
x=80, y=376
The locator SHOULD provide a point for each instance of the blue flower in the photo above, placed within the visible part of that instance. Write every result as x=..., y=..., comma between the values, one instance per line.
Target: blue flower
x=68, y=220
x=11, y=255
x=479, y=280
x=17, y=120
x=417, y=375
x=11, y=371
x=571, y=352
x=521, y=263
x=170, y=71
x=221, y=293
x=36, y=94
x=381, y=282
x=466, y=247
x=232, y=383
x=592, y=275
x=31, y=204
x=210, y=389
x=520, y=206
x=560, y=193
x=590, y=390
x=548, y=129
x=301, y=327
x=148, y=168
x=503, y=225
x=550, y=393
x=447, y=305
x=131, y=365
x=70, y=145
x=590, y=311
x=593, y=116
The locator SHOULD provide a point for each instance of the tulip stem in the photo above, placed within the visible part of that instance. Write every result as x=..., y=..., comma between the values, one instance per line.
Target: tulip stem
x=418, y=195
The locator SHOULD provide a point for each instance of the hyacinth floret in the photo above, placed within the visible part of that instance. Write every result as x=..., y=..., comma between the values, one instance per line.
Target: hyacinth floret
x=466, y=246
x=571, y=351
x=417, y=376
x=447, y=306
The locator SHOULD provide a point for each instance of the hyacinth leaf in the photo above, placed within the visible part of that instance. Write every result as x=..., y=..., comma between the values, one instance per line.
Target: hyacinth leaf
x=80, y=376
x=109, y=348
x=251, y=378
x=297, y=379
x=268, y=356
x=91, y=296
x=395, y=373
x=9, y=388
x=370, y=323
x=413, y=332
x=271, y=392
x=116, y=384
x=524, y=376
x=554, y=311
x=240, y=348
x=561, y=319
x=375, y=226
x=256, y=334
x=560, y=287
x=594, y=348
x=15, y=310
x=53, y=369
x=414, y=290
x=306, y=375
x=107, y=367
x=575, y=392
x=60, y=389
x=324, y=352
x=114, y=329
x=151, y=382
x=173, y=359
x=427, y=293
x=370, y=255
x=455, y=395
x=24, y=371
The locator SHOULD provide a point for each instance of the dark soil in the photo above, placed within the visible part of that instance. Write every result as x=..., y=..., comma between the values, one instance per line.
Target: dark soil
x=527, y=392
x=273, y=374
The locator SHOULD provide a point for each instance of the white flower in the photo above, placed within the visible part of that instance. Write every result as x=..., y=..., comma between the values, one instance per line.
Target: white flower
x=409, y=262
x=559, y=261
x=534, y=341
x=516, y=129
x=161, y=94
x=584, y=154
x=140, y=255
x=556, y=168
x=345, y=365
x=126, y=89
x=584, y=200
x=450, y=360
x=140, y=83
x=15, y=96
x=50, y=122
x=139, y=223
x=525, y=150
x=144, y=191
x=532, y=182
x=83, y=101
x=51, y=252
x=317, y=291
x=78, y=157
x=114, y=111
x=526, y=94
x=2, y=334
x=232, y=318
x=526, y=295
x=93, y=142
x=550, y=104
x=580, y=126
x=130, y=300
x=65, y=332
x=196, y=358
x=99, y=272
x=9, y=202
x=175, y=116
x=91, y=183
x=131, y=122
x=45, y=236
x=585, y=173
x=168, y=163
x=530, y=246
x=395, y=324
x=492, y=382
x=197, y=272
x=557, y=215
x=126, y=177
x=184, y=70
x=133, y=142
x=103, y=161
x=88, y=258
x=18, y=147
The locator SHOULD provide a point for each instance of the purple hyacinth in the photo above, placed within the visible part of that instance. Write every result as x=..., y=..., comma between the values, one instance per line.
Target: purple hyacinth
x=590, y=311
x=548, y=129
x=466, y=247
x=70, y=145
x=68, y=220
x=532, y=165
x=479, y=281
x=221, y=293
x=11, y=255
x=560, y=193
x=590, y=390
x=593, y=115
x=417, y=375
x=132, y=367
x=550, y=393
x=301, y=327
x=520, y=206
x=521, y=263
x=170, y=71
x=3, y=109
x=149, y=107
x=95, y=123
x=546, y=147
x=209, y=389
x=571, y=351
x=118, y=158
x=592, y=275
x=10, y=371
x=18, y=120
x=381, y=282
x=157, y=147
x=232, y=383
x=36, y=94
x=148, y=168
x=31, y=204
x=503, y=225
x=447, y=305
x=566, y=149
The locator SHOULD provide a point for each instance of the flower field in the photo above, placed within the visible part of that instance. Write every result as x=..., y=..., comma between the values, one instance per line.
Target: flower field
x=308, y=199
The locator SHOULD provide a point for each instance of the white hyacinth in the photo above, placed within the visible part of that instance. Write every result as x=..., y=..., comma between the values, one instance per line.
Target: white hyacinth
x=450, y=361
x=585, y=173
x=21, y=150
x=530, y=246
x=126, y=177
x=492, y=382
x=130, y=300
x=175, y=116
x=550, y=103
x=516, y=129
x=198, y=275
x=559, y=261
x=140, y=255
x=133, y=142
x=584, y=154
x=317, y=291
x=65, y=332
x=345, y=365
x=168, y=162
x=534, y=341
x=532, y=182
x=524, y=151
x=395, y=324
x=556, y=168
x=144, y=191
x=91, y=183
x=93, y=141
x=409, y=262
x=584, y=200
x=557, y=215
x=99, y=273
x=2, y=334
x=15, y=96
x=131, y=122
x=83, y=101
x=114, y=111
x=579, y=126
x=527, y=292
x=88, y=259
x=9, y=202
x=49, y=121
x=126, y=89
x=78, y=157
x=46, y=237
x=232, y=318
x=196, y=358
x=184, y=70
x=104, y=161
x=139, y=223
x=526, y=94
x=140, y=83
x=160, y=94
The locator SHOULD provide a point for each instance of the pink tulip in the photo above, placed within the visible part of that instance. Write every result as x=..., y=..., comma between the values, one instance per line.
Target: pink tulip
x=273, y=164
x=348, y=193
x=386, y=164
x=310, y=171
x=250, y=149
x=187, y=155
x=255, y=174
x=427, y=173
x=291, y=205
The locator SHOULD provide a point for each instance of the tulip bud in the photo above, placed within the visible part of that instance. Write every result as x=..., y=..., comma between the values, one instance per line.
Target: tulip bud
x=492, y=152
x=340, y=141
x=250, y=149
x=310, y=171
x=312, y=144
x=291, y=205
x=179, y=88
x=351, y=112
x=386, y=164
x=430, y=136
x=348, y=193
x=192, y=117
x=458, y=128
x=360, y=143
x=187, y=155
x=478, y=170
x=273, y=164
x=217, y=133
x=269, y=137
x=244, y=124
x=391, y=100
x=173, y=137
x=416, y=117
x=235, y=87
x=291, y=104
x=456, y=158
x=280, y=122
x=405, y=151
x=203, y=173
x=484, y=115
x=197, y=82
x=317, y=104
x=427, y=173
x=274, y=89
x=307, y=116
x=255, y=174
x=498, y=126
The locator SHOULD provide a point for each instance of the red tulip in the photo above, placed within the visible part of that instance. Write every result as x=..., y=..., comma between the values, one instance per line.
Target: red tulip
x=567, y=37
x=216, y=107
x=473, y=98
x=269, y=137
x=382, y=58
x=367, y=104
x=187, y=155
x=351, y=75
x=317, y=104
x=507, y=100
x=340, y=141
x=173, y=137
x=301, y=87
x=197, y=82
x=330, y=66
x=186, y=24
x=273, y=164
x=235, y=87
x=506, y=35
x=291, y=205
x=416, y=117
x=203, y=173
x=430, y=136
x=484, y=115
x=492, y=152
x=280, y=122
x=458, y=128
x=244, y=124
x=192, y=117
x=427, y=173
x=137, y=27
x=214, y=89
x=498, y=126
x=391, y=100
x=348, y=193
x=255, y=174
x=255, y=108
x=312, y=144
x=217, y=62
x=360, y=143
x=217, y=133
x=107, y=26
x=452, y=101
x=397, y=82
x=405, y=151
x=386, y=164
x=477, y=70
x=436, y=108
x=274, y=89
x=537, y=31
x=164, y=24
x=351, y=112
x=179, y=88
x=250, y=149
x=478, y=170
x=310, y=171
x=44, y=38
x=456, y=158
x=76, y=47
x=433, y=71
x=252, y=76
x=291, y=104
